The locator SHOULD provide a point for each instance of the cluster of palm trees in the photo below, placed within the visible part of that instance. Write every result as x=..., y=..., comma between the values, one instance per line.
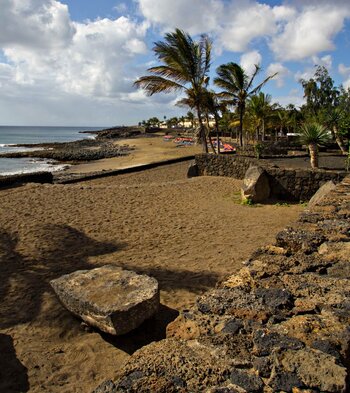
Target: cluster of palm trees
x=185, y=65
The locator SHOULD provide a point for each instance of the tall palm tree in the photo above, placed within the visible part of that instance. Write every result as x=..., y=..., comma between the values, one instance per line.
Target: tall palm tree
x=184, y=66
x=237, y=87
x=314, y=135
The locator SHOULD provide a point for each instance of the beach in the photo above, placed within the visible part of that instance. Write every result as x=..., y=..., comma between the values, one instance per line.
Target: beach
x=187, y=233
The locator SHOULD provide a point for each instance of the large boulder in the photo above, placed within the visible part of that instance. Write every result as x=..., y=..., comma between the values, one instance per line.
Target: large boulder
x=321, y=193
x=115, y=301
x=255, y=185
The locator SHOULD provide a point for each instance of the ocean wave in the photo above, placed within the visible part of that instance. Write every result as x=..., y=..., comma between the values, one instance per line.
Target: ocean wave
x=32, y=166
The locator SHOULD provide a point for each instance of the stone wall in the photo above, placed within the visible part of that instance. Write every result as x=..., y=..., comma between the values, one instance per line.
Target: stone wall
x=224, y=165
x=37, y=177
x=285, y=184
x=280, y=324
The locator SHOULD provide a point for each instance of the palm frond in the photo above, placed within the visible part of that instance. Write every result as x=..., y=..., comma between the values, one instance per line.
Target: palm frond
x=314, y=133
x=168, y=72
x=255, y=73
x=258, y=88
x=156, y=84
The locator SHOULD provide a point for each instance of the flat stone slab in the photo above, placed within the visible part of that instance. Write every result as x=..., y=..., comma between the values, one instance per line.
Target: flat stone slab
x=115, y=301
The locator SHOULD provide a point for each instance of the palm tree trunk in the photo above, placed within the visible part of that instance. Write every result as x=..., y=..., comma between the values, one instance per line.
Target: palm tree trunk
x=208, y=135
x=340, y=141
x=241, y=110
x=202, y=133
x=217, y=133
x=313, y=149
x=263, y=130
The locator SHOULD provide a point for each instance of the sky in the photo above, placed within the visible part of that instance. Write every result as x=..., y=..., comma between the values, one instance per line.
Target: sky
x=73, y=62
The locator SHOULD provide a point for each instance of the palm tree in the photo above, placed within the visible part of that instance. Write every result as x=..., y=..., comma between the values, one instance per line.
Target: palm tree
x=237, y=87
x=190, y=118
x=282, y=120
x=185, y=66
x=259, y=107
x=313, y=135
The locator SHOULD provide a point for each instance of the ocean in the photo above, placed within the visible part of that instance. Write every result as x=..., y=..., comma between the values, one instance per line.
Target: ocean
x=13, y=135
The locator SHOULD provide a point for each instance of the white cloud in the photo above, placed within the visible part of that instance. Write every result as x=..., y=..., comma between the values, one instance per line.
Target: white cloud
x=46, y=57
x=89, y=61
x=283, y=13
x=345, y=72
x=36, y=23
x=293, y=97
x=325, y=61
x=293, y=31
x=195, y=16
x=282, y=73
x=311, y=31
x=249, y=60
x=244, y=22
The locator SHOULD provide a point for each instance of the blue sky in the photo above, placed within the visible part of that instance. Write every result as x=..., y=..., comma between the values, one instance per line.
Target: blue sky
x=73, y=62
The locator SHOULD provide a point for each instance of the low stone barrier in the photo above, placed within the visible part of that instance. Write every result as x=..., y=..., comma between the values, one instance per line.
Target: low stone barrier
x=37, y=177
x=286, y=184
x=280, y=324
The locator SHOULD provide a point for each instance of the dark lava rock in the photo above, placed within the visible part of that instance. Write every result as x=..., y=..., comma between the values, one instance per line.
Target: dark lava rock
x=167, y=365
x=284, y=381
x=106, y=387
x=265, y=342
x=328, y=347
x=297, y=239
x=233, y=326
x=235, y=302
x=263, y=366
x=275, y=298
x=249, y=382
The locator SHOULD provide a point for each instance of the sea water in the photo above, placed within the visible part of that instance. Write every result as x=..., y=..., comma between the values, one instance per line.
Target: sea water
x=13, y=135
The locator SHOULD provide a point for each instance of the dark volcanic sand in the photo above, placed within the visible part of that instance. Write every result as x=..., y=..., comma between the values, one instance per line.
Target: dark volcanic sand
x=188, y=233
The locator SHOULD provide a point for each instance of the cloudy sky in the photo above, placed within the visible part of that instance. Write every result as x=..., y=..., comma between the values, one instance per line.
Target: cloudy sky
x=73, y=62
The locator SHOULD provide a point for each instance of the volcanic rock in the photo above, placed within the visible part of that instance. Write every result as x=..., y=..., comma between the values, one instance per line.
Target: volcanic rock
x=321, y=193
x=255, y=185
x=115, y=301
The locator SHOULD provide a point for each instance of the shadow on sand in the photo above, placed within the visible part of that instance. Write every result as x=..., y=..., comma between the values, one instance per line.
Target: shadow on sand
x=13, y=375
x=153, y=329
x=61, y=249
x=23, y=280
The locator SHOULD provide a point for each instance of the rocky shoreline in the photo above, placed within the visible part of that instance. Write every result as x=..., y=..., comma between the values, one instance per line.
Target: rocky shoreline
x=102, y=146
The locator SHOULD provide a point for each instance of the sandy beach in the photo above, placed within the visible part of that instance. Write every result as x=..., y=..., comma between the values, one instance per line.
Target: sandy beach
x=187, y=233
x=145, y=150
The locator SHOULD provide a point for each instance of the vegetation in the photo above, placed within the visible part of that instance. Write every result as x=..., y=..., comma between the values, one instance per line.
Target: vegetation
x=314, y=135
x=185, y=65
x=237, y=88
x=239, y=109
x=328, y=105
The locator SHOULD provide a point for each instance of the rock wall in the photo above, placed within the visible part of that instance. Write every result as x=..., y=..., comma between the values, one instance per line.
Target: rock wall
x=224, y=165
x=37, y=177
x=280, y=324
x=286, y=184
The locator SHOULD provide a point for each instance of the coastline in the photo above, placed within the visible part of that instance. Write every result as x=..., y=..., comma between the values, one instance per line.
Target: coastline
x=110, y=149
